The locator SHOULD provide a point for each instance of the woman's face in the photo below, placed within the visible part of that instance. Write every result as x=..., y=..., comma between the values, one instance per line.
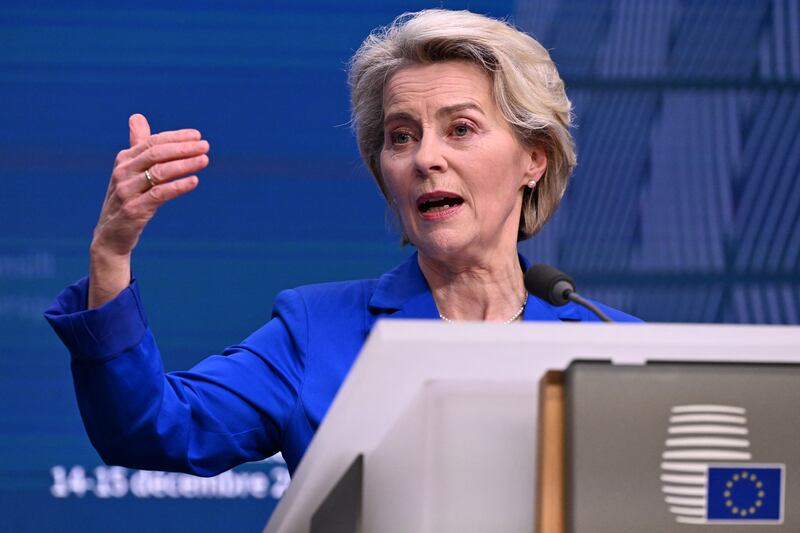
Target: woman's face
x=453, y=167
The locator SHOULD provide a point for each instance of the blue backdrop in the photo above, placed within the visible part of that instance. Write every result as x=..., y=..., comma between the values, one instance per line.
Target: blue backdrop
x=685, y=205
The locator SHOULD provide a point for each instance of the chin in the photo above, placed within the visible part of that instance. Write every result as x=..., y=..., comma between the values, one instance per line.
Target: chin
x=442, y=245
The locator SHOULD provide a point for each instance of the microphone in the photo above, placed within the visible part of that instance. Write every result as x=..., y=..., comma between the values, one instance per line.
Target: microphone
x=555, y=287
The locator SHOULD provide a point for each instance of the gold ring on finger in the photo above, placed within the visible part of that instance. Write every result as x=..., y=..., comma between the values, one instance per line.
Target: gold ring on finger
x=149, y=178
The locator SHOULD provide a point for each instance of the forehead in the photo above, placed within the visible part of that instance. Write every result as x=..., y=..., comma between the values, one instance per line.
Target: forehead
x=438, y=84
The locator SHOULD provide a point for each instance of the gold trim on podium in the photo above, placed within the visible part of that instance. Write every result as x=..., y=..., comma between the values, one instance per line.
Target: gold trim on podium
x=550, y=495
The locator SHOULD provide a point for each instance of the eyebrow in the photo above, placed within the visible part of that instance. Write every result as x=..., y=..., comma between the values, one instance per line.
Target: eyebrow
x=448, y=110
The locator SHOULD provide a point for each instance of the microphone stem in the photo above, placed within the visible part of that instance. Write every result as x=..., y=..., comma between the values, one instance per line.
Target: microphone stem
x=580, y=300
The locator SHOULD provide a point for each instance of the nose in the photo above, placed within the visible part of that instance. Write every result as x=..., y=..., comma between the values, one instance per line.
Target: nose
x=429, y=157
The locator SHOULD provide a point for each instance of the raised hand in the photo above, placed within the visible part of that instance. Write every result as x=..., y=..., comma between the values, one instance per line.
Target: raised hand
x=155, y=169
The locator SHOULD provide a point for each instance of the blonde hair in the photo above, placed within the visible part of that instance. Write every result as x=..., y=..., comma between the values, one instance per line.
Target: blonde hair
x=525, y=84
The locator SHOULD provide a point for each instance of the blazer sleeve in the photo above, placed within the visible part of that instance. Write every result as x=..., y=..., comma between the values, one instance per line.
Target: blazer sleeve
x=226, y=410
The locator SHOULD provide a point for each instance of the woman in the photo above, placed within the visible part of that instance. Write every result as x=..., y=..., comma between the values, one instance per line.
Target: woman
x=462, y=120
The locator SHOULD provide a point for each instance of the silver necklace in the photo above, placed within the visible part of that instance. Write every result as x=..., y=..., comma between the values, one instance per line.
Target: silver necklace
x=509, y=321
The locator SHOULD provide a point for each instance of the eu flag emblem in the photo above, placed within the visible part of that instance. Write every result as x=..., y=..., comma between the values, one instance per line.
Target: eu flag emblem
x=745, y=492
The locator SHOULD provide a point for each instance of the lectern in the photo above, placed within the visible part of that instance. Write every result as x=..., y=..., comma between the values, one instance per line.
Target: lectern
x=435, y=428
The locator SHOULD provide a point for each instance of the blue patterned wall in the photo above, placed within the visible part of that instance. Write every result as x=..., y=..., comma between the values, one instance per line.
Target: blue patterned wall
x=685, y=205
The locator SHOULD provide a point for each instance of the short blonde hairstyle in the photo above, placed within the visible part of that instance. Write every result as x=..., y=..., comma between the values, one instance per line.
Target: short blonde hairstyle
x=526, y=88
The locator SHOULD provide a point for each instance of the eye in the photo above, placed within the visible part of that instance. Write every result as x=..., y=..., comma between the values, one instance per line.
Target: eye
x=462, y=129
x=401, y=137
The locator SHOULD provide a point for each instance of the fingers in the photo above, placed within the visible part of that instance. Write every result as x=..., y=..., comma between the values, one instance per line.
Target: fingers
x=146, y=204
x=161, y=173
x=163, y=153
x=165, y=172
x=162, y=138
x=187, y=135
x=166, y=156
x=139, y=129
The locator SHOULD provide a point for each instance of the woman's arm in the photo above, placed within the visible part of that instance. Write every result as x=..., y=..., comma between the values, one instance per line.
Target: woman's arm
x=228, y=409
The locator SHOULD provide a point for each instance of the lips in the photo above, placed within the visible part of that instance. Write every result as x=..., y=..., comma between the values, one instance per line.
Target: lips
x=437, y=201
x=437, y=205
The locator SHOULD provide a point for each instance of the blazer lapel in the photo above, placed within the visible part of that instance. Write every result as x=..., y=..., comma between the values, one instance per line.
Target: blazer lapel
x=403, y=293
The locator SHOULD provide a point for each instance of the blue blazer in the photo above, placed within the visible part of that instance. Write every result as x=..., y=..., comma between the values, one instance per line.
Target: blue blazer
x=267, y=394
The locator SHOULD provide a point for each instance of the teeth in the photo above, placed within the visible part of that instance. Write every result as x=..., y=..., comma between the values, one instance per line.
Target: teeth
x=439, y=203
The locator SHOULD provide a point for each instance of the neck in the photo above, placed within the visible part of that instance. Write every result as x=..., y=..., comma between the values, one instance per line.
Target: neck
x=492, y=289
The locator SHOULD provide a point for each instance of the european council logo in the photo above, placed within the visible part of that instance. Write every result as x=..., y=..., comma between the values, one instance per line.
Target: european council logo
x=707, y=471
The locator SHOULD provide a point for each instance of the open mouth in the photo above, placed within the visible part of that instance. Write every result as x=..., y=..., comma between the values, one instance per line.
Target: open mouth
x=435, y=202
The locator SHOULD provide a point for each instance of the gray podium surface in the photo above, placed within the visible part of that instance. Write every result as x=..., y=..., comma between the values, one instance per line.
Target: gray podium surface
x=445, y=415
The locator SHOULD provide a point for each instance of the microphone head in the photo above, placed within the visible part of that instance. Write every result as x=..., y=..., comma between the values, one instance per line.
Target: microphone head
x=549, y=284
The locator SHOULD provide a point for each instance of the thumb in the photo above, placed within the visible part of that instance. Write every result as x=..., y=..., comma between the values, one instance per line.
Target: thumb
x=140, y=129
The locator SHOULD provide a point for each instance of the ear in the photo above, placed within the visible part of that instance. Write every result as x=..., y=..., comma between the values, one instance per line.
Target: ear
x=536, y=164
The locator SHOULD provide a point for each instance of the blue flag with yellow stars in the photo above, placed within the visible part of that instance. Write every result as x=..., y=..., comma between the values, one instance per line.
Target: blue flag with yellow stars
x=745, y=493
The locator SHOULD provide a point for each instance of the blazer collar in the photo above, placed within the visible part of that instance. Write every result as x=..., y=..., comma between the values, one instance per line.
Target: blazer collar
x=404, y=293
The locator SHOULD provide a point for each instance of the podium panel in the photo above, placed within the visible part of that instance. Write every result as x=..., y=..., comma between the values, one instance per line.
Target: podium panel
x=442, y=458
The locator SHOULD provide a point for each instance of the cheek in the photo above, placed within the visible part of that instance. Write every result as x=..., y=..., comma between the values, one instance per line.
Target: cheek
x=387, y=175
x=392, y=177
x=501, y=191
